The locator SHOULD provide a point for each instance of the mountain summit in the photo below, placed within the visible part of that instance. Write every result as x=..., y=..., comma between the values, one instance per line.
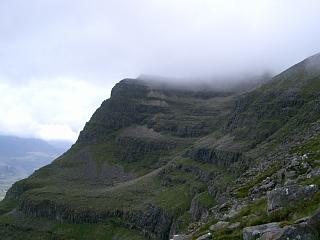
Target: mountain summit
x=159, y=162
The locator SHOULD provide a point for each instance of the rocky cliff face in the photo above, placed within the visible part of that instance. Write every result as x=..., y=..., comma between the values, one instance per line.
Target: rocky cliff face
x=156, y=161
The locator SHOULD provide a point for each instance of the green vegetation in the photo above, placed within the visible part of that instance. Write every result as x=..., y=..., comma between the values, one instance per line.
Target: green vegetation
x=309, y=181
x=174, y=199
x=6, y=205
x=311, y=148
x=256, y=213
x=311, y=89
x=182, y=222
x=45, y=230
x=95, y=231
x=205, y=200
x=243, y=191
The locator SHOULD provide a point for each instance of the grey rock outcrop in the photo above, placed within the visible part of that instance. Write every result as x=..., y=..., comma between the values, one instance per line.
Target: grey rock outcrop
x=219, y=225
x=181, y=237
x=266, y=185
x=133, y=148
x=214, y=156
x=306, y=229
x=154, y=222
x=285, y=196
x=196, y=210
x=205, y=237
x=299, y=231
x=272, y=230
x=234, y=226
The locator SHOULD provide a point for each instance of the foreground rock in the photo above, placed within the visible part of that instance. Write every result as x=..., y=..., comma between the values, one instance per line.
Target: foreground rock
x=308, y=229
x=205, y=237
x=181, y=237
x=219, y=225
x=286, y=196
x=272, y=230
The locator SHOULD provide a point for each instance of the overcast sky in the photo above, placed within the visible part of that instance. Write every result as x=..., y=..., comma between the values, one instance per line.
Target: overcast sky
x=60, y=58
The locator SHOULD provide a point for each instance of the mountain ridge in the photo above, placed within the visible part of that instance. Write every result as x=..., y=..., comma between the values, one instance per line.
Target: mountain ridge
x=154, y=162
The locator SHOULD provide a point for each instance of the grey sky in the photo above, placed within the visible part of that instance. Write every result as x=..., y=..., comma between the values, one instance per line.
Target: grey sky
x=60, y=58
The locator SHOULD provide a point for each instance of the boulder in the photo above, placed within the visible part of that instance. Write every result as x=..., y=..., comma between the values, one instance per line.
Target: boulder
x=314, y=173
x=234, y=226
x=303, y=229
x=181, y=237
x=285, y=196
x=271, y=230
x=266, y=185
x=298, y=231
x=205, y=237
x=219, y=225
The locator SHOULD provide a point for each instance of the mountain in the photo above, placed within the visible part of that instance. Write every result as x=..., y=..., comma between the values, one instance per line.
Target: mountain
x=19, y=157
x=11, y=146
x=160, y=162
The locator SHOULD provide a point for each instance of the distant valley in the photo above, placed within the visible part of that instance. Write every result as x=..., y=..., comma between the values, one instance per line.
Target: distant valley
x=20, y=157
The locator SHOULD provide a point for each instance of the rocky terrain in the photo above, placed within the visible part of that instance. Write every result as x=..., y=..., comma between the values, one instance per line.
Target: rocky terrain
x=160, y=162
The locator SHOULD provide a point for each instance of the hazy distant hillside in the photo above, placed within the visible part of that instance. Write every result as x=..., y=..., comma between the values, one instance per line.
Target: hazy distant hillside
x=14, y=146
x=19, y=157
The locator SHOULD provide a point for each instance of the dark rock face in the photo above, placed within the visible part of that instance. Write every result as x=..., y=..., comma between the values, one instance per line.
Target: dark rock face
x=215, y=156
x=133, y=148
x=260, y=113
x=195, y=130
x=201, y=174
x=181, y=128
x=165, y=110
x=256, y=120
x=129, y=104
x=115, y=114
x=286, y=196
x=196, y=210
x=154, y=222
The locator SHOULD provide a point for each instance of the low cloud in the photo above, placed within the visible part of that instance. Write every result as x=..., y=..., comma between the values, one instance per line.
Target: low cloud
x=102, y=40
x=46, y=109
